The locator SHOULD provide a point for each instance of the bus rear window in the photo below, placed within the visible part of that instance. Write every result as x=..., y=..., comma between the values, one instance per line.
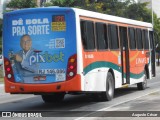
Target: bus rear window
x=87, y=34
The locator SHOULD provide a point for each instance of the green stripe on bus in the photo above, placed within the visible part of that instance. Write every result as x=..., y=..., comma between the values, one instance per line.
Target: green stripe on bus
x=101, y=64
x=136, y=76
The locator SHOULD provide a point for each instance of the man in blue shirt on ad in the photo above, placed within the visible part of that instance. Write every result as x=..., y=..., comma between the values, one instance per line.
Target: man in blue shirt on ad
x=22, y=58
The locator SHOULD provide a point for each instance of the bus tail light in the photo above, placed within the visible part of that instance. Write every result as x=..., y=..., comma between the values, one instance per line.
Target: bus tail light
x=8, y=70
x=71, y=67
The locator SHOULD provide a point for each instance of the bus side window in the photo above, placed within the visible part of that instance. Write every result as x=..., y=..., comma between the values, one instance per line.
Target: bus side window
x=132, y=38
x=113, y=36
x=139, y=39
x=145, y=39
x=87, y=34
x=101, y=33
x=83, y=34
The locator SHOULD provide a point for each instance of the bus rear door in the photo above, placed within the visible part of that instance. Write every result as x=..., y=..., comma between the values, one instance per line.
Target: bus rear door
x=124, y=55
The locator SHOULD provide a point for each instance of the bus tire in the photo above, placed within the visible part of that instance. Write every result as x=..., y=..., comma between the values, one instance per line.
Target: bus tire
x=143, y=85
x=109, y=93
x=56, y=97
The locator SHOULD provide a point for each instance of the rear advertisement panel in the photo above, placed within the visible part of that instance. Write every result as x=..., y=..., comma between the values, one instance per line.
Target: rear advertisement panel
x=38, y=45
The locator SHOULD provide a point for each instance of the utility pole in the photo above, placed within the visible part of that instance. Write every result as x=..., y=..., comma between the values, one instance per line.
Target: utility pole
x=152, y=12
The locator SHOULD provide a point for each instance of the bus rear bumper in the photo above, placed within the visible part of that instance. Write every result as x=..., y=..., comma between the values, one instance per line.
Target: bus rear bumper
x=73, y=85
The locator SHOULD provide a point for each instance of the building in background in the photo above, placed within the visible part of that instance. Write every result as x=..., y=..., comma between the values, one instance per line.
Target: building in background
x=156, y=5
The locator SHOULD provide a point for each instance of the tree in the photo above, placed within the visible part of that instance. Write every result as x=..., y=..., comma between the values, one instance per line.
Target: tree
x=61, y=3
x=157, y=24
x=83, y=4
x=157, y=30
x=115, y=7
x=92, y=6
x=138, y=11
x=19, y=4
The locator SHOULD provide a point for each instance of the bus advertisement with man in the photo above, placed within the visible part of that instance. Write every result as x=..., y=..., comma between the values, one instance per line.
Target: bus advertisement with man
x=38, y=46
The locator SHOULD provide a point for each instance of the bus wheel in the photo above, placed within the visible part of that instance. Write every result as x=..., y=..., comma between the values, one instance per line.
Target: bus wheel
x=143, y=85
x=56, y=97
x=109, y=93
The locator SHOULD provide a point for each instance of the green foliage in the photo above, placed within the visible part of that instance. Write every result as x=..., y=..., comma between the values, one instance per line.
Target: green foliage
x=138, y=11
x=157, y=24
x=47, y=4
x=114, y=7
x=157, y=30
x=19, y=4
x=62, y=3
x=93, y=6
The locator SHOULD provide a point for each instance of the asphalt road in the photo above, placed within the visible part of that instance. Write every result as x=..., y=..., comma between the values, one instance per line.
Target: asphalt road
x=126, y=99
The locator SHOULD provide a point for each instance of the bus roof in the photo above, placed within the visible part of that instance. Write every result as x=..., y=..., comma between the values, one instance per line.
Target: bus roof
x=87, y=14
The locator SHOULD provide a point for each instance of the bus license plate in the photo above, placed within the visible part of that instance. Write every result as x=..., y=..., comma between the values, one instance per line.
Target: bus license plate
x=39, y=78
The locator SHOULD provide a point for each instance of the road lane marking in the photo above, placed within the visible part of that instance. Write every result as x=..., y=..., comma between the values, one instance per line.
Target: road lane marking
x=104, y=109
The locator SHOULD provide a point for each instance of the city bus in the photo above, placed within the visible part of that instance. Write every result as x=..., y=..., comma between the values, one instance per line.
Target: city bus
x=55, y=51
